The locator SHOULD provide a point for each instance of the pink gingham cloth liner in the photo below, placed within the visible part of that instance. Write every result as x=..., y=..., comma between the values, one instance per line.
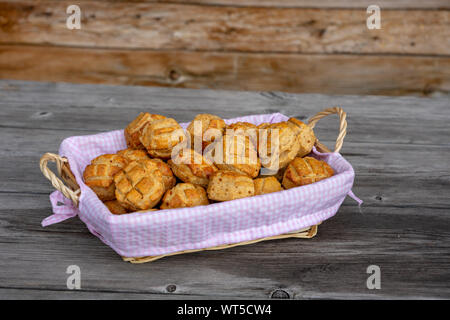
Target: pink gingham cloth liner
x=165, y=231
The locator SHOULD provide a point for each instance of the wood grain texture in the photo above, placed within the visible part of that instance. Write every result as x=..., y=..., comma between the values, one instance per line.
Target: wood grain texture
x=360, y=4
x=195, y=27
x=326, y=4
x=335, y=74
x=35, y=105
x=399, y=148
x=291, y=45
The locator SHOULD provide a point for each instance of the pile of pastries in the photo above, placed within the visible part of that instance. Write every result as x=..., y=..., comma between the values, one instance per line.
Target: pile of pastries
x=165, y=167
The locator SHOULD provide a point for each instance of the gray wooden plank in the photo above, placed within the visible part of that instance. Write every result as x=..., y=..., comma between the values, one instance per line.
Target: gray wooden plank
x=41, y=294
x=91, y=109
x=361, y=126
x=399, y=148
x=330, y=265
x=330, y=4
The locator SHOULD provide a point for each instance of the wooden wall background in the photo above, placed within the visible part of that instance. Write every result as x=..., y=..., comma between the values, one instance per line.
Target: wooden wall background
x=286, y=45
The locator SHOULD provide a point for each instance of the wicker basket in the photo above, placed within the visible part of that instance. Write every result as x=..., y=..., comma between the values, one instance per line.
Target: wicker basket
x=70, y=189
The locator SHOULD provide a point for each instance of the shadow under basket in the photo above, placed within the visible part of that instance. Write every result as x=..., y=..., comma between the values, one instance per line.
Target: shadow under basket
x=70, y=189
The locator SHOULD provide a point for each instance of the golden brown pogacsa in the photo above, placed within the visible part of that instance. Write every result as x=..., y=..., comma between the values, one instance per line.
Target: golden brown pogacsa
x=277, y=145
x=227, y=185
x=190, y=166
x=115, y=207
x=139, y=186
x=206, y=128
x=133, y=154
x=238, y=154
x=160, y=136
x=305, y=137
x=134, y=130
x=303, y=171
x=184, y=195
x=99, y=175
x=137, y=155
x=267, y=185
x=245, y=128
x=168, y=178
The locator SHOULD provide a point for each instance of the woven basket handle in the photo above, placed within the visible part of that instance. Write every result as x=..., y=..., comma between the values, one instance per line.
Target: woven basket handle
x=56, y=182
x=342, y=125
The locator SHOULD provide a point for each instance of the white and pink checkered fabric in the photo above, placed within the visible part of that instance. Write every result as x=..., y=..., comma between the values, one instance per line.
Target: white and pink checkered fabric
x=165, y=231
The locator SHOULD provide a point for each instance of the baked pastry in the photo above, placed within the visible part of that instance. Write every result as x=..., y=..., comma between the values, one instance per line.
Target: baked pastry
x=115, y=207
x=302, y=171
x=239, y=155
x=168, y=178
x=136, y=155
x=260, y=128
x=227, y=185
x=245, y=128
x=190, y=166
x=184, y=195
x=267, y=185
x=99, y=175
x=159, y=137
x=139, y=186
x=207, y=128
x=133, y=154
x=133, y=131
x=152, y=209
x=305, y=137
x=277, y=145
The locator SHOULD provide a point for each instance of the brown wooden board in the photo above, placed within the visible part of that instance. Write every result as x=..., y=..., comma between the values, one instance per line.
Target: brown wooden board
x=335, y=74
x=327, y=4
x=196, y=27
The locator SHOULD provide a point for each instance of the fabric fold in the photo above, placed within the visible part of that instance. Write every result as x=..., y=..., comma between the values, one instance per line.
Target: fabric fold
x=63, y=209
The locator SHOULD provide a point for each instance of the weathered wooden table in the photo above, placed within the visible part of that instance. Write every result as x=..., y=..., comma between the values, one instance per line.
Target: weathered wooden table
x=399, y=147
